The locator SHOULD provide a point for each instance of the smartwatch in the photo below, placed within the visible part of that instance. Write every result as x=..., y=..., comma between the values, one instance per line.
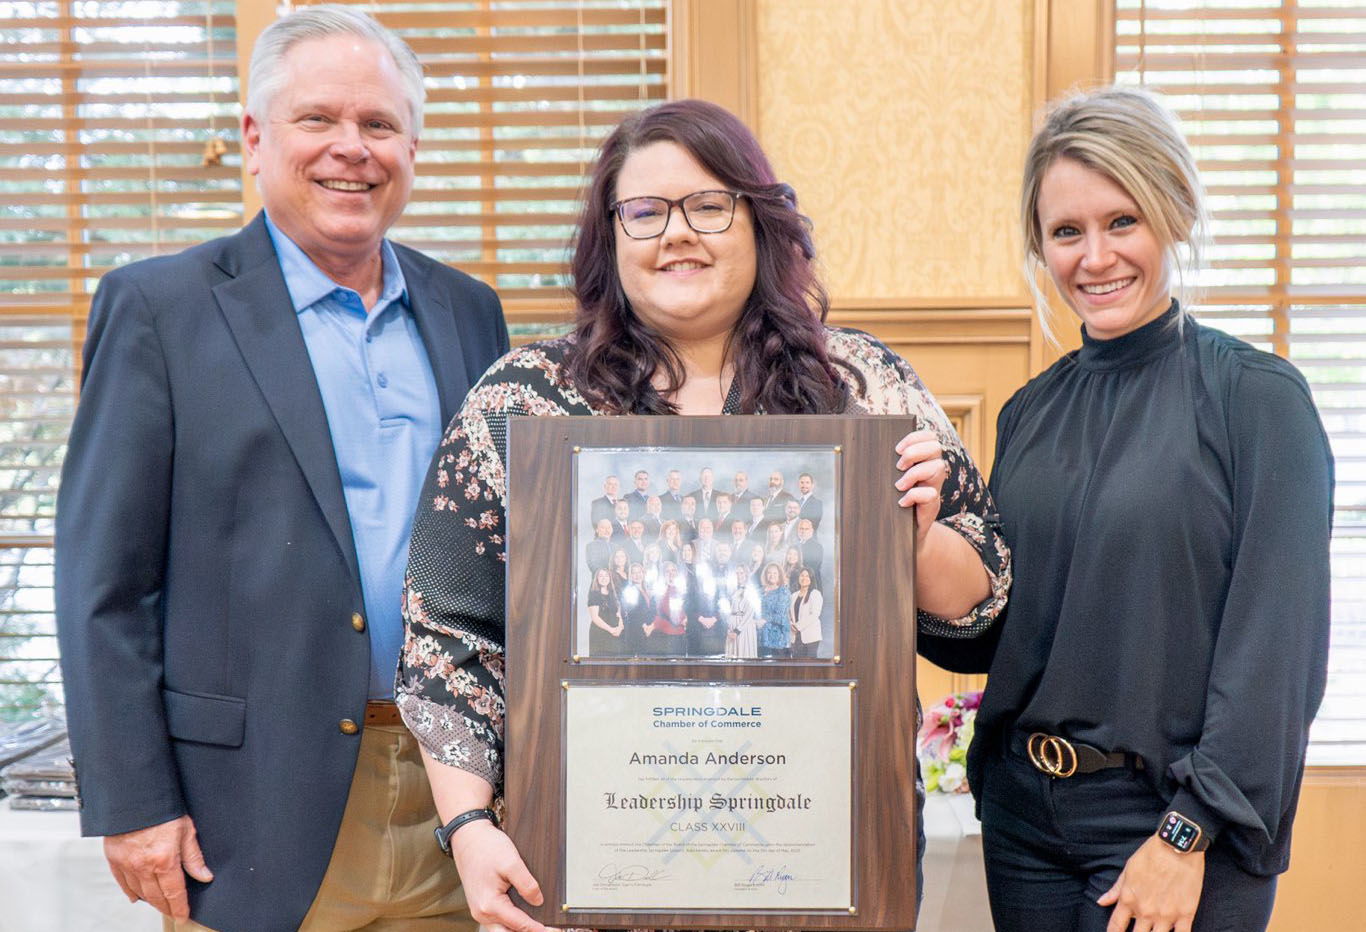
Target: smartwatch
x=1182, y=833
x=444, y=833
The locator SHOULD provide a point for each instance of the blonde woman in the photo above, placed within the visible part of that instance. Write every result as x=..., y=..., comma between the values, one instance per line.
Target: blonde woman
x=742, y=643
x=1166, y=491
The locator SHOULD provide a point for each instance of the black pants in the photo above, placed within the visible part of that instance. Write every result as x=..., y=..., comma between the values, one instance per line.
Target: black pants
x=1052, y=847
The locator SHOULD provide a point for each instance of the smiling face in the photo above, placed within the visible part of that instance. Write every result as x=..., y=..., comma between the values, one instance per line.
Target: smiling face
x=334, y=156
x=1101, y=253
x=688, y=286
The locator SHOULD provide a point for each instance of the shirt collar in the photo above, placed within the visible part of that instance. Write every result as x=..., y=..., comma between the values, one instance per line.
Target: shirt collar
x=308, y=284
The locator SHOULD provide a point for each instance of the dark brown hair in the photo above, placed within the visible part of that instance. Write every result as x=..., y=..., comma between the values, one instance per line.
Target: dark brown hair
x=778, y=346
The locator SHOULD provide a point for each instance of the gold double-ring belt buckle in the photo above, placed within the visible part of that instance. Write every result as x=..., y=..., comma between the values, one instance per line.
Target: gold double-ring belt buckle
x=1053, y=755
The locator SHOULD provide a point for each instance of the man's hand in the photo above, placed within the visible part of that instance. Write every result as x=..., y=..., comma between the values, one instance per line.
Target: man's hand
x=151, y=863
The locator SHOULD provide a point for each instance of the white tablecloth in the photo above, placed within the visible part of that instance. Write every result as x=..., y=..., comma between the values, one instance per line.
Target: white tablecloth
x=955, y=897
x=52, y=880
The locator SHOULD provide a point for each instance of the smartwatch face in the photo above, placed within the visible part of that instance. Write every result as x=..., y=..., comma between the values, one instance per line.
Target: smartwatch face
x=1178, y=832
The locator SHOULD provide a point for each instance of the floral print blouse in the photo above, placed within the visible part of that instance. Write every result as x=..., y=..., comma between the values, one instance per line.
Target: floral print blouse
x=450, y=677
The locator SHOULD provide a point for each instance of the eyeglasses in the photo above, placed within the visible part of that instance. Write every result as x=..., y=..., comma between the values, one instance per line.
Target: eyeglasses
x=704, y=211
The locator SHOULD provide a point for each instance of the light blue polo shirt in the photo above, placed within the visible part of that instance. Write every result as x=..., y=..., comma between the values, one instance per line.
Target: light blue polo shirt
x=384, y=415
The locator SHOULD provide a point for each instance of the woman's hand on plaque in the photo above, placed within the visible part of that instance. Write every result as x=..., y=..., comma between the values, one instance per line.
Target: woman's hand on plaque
x=489, y=866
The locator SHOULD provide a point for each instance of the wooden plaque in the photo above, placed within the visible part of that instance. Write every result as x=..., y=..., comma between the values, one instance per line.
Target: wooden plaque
x=694, y=740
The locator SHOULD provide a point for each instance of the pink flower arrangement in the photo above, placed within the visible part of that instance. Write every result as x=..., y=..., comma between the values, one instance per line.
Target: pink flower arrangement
x=942, y=744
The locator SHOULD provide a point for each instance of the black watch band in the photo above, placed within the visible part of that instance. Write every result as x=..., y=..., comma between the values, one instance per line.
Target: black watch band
x=444, y=833
x=1182, y=833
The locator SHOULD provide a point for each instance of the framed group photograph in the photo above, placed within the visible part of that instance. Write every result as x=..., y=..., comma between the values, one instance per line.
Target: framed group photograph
x=681, y=567
x=711, y=671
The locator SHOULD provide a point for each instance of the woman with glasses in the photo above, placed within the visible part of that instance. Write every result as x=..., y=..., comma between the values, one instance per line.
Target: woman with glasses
x=1166, y=490
x=696, y=292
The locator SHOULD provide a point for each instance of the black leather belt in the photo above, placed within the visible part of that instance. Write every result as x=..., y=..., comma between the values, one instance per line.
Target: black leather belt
x=1060, y=757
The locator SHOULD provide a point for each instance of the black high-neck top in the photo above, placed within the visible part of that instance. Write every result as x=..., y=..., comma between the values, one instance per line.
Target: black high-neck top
x=1167, y=495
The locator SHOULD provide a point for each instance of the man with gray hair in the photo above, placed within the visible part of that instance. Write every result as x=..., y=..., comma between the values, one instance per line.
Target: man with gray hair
x=256, y=420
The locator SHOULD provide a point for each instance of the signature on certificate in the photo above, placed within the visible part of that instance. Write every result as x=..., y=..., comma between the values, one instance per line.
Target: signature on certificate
x=777, y=877
x=613, y=873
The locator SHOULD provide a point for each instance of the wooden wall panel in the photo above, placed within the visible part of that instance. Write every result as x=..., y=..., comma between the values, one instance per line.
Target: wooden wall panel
x=713, y=54
x=902, y=127
x=1327, y=854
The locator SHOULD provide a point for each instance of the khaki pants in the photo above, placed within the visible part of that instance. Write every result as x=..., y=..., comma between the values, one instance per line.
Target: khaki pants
x=386, y=872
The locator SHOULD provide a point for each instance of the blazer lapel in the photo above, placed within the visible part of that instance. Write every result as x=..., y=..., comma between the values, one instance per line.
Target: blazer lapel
x=436, y=322
x=257, y=307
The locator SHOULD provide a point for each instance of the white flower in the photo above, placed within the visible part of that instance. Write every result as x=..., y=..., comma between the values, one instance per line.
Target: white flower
x=953, y=777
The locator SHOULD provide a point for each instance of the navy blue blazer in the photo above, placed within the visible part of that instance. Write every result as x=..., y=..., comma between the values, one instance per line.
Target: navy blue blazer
x=206, y=575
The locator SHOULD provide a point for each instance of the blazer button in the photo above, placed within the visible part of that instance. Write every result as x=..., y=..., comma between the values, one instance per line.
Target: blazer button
x=348, y=727
x=358, y=621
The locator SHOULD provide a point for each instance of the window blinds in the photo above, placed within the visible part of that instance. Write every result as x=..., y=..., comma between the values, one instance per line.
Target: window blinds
x=1272, y=95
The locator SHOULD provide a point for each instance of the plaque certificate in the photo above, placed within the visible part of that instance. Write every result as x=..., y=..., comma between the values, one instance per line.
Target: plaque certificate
x=708, y=796
x=710, y=718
